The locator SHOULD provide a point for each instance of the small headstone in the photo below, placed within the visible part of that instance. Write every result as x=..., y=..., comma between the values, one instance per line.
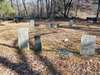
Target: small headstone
x=23, y=38
x=32, y=22
x=32, y=25
x=71, y=22
x=88, y=45
x=50, y=25
x=38, y=45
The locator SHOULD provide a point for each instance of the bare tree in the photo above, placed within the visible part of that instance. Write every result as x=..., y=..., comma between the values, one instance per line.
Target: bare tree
x=98, y=10
x=23, y=1
x=18, y=10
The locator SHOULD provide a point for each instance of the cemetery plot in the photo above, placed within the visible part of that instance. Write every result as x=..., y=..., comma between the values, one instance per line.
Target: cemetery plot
x=55, y=43
x=49, y=37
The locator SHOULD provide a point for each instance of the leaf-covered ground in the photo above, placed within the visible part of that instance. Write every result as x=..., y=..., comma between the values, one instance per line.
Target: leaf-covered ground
x=24, y=62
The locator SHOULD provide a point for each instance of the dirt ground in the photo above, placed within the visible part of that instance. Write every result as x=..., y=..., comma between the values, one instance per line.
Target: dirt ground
x=24, y=62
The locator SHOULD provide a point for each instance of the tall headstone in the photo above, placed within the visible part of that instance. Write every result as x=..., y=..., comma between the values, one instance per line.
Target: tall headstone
x=88, y=45
x=23, y=38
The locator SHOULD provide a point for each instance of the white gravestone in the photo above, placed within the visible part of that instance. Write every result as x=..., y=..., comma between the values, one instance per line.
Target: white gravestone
x=88, y=45
x=71, y=22
x=32, y=25
x=32, y=22
x=23, y=38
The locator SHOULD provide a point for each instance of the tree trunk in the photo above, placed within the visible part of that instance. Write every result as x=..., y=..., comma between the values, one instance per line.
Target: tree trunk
x=69, y=6
x=98, y=10
x=18, y=10
x=38, y=9
x=11, y=3
x=47, y=8
x=26, y=13
x=77, y=7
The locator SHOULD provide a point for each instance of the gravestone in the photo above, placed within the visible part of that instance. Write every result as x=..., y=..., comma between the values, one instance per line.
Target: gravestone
x=32, y=25
x=32, y=22
x=50, y=25
x=38, y=45
x=71, y=22
x=23, y=38
x=88, y=45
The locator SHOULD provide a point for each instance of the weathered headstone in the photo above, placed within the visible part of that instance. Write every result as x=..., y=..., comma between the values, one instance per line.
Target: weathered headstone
x=32, y=22
x=71, y=22
x=88, y=45
x=23, y=38
x=32, y=25
x=50, y=25
x=38, y=45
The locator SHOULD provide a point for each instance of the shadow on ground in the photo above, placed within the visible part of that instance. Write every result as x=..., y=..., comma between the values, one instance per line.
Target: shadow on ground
x=23, y=68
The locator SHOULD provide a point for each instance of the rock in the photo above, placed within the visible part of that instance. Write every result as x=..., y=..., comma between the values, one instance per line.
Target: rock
x=64, y=53
x=66, y=40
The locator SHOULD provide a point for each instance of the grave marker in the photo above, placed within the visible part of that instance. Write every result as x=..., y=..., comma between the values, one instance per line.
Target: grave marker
x=50, y=25
x=32, y=25
x=32, y=22
x=23, y=38
x=88, y=44
x=71, y=22
x=37, y=46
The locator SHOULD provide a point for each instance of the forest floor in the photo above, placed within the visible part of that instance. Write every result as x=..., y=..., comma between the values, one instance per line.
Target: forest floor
x=24, y=62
